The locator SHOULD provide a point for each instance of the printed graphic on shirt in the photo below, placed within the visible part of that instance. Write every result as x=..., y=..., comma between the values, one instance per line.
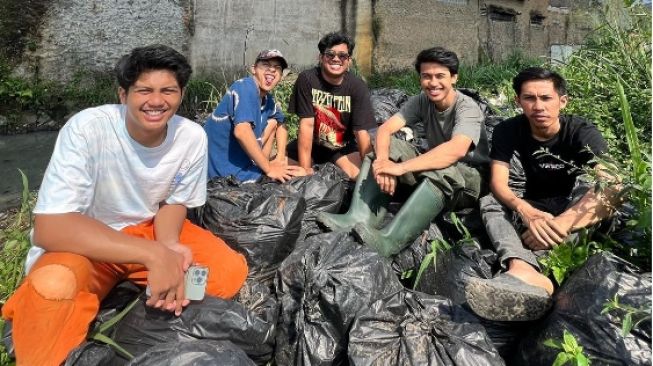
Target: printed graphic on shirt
x=341, y=103
x=225, y=118
x=329, y=130
x=183, y=169
x=553, y=163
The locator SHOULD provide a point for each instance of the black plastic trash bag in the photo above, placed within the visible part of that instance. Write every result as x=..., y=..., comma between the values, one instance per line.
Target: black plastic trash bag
x=321, y=286
x=452, y=270
x=406, y=264
x=482, y=102
x=386, y=102
x=260, y=221
x=454, y=267
x=93, y=354
x=323, y=191
x=194, y=353
x=212, y=318
x=411, y=328
x=577, y=308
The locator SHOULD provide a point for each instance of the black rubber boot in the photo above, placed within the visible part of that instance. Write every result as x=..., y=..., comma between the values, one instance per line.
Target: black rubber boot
x=368, y=204
x=423, y=205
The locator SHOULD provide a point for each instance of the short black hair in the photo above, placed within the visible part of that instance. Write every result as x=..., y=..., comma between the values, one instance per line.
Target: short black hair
x=539, y=73
x=153, y=57
x=439, y=55
x=335, y=38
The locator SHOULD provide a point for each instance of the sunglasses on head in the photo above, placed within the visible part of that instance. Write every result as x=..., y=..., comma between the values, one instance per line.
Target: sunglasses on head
x=331, y=55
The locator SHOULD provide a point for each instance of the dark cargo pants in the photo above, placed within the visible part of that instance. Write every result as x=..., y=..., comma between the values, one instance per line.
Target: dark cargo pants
x=460, y=183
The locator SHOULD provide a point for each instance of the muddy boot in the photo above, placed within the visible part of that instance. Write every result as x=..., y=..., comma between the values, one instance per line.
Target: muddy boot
x=368, y=204
x=506, y=298
x=415, y=215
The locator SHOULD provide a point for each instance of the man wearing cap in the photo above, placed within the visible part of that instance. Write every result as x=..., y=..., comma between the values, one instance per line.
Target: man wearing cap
x=334, y=109
x=243, y=127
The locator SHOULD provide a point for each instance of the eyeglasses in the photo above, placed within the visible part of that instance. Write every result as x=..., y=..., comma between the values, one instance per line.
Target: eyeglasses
x=266, y=66
x=331, y=55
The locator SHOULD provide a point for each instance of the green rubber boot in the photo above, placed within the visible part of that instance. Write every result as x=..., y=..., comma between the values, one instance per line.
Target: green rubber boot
x=368, y=204
x=415, y=215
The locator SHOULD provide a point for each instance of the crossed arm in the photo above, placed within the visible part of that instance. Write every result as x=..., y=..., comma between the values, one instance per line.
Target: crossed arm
x=440, y=157
x=545, y=230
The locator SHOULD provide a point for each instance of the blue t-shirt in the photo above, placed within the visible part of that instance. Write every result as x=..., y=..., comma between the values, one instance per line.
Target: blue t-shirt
x=241, y=104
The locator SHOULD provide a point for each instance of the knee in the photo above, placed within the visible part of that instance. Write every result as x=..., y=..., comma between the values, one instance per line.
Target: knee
x=54, y=282
x=239, y=271
x=489, y=204
x=232, y=275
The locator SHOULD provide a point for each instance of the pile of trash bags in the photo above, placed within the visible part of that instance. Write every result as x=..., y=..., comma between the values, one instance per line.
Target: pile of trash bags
x=318, y=298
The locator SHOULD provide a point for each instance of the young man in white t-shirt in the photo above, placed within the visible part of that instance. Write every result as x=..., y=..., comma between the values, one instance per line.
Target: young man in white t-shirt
x=113, y=205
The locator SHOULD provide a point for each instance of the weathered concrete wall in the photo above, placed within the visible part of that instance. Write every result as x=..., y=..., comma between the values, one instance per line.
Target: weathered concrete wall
x=223, y=36
x=92, y=35
x=477, y=29
x=406, y=27
x=229, y=34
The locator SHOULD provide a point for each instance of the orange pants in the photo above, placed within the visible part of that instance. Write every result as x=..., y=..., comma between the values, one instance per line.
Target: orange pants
x=54, y=306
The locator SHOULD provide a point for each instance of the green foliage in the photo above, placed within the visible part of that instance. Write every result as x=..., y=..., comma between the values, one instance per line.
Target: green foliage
x=568, y=256
x=495, y=78
x=282, y=96
x=632, y=316
x=617, y=51
x=437, y=246
x=52, y=99
x=16, y=243
x=571, y=353
x=634, y=177
x=200, y=99
x=406, y=80
x=441, y=246
x=100, y=333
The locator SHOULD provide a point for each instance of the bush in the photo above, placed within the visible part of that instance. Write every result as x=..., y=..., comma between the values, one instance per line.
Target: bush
x=617, y=51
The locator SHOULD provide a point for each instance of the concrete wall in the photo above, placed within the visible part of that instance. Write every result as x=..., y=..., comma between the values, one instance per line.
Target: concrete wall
x=228, y=34
x=477, y=29
x=406, y=27
x=92, y=35
x=223, y=36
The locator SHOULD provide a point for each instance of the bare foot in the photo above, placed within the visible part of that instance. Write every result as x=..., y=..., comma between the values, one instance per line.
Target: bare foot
x=525, y=272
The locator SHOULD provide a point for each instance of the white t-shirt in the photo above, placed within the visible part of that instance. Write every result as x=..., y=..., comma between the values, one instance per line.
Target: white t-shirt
x=98, y=170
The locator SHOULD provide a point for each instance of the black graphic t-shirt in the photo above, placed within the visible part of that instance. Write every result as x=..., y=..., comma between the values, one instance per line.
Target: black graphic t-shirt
x=551, y=166
x=338, y=109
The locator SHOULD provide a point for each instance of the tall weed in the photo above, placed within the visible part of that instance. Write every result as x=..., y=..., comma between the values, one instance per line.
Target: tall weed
x=15, y=244
x=617, y=51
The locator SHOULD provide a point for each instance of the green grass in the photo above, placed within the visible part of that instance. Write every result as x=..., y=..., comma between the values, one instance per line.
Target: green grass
x=14, y=236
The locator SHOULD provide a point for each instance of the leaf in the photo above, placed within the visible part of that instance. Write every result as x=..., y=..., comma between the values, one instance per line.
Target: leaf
x=104, y=339
x=569, y=339
x=631, y=132
x=551, y=343
x=422, y=267
x=559, y=274
x=627, y=325
x=581, y=360
x=562, y=359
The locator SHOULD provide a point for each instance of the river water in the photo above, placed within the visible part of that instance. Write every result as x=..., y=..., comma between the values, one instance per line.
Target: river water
x=29, y=152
